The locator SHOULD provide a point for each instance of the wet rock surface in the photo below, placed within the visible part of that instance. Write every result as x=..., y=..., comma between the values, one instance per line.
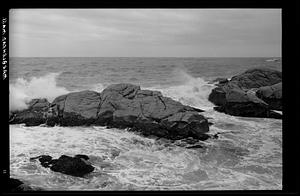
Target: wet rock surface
x=254, y=93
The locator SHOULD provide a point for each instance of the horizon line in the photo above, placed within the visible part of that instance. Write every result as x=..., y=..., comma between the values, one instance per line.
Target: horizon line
x=144, y=57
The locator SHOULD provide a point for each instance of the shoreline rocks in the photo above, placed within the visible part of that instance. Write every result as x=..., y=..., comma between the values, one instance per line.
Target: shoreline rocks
x=118, y=106
x=254, y=93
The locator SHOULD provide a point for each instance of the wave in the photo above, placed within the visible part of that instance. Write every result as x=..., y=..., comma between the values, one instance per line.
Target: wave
x=22, y=90
x=191, y=91
x=247, y=157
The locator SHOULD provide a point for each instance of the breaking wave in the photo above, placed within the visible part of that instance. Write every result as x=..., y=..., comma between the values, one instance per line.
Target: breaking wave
x=22, y=90
x=246, y=155
x=192, y=91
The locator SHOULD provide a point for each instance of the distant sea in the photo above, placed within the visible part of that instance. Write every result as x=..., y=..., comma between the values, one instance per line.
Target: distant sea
x=246, y=156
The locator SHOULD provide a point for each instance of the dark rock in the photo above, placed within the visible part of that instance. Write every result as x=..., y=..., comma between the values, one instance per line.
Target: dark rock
x=75, y=166
x=271, y=95
x=78, y=108
x=145, y=111
x=29, y=117
x=120, y=106
x=72, y=166
x=217, y=96
x=38, y=104
x=257, y=77
x=238, y=97
x=33, y=116
x=15, y=185
x=45, y=160
x=184, y=124
x=195, y=146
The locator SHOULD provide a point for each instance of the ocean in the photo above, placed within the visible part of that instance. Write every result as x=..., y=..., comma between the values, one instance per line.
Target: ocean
x=246, y=156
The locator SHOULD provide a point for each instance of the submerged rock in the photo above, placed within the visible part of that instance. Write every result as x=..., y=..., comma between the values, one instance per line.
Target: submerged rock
x=121, y=106
x=75, y=166
x=247, y=95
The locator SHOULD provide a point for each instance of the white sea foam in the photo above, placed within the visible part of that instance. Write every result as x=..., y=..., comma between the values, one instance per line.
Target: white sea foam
x=22, y=90
x=247, y=159
x=192, y=91
x=97, y=87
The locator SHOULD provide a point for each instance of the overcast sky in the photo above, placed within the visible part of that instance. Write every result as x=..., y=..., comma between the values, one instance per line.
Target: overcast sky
x=145, y=32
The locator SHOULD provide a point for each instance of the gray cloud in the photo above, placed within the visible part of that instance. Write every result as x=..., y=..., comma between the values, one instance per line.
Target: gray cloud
x=145, y=32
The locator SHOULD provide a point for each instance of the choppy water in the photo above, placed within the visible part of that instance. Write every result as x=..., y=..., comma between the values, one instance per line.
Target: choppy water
x=247, y=154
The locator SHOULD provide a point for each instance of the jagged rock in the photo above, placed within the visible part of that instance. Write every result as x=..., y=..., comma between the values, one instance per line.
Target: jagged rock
x=29, y=117
x=75, y=166
x=38, y=104
x=271, y=95
x=123, y=106
x=238, y=97
x=32, y=116
x=257, y=77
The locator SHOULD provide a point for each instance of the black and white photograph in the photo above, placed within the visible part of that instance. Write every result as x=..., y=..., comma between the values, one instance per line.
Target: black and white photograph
x=145, y=99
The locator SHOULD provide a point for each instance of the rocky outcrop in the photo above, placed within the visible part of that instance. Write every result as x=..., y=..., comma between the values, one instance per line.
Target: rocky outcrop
x=33, y=116
x=120, y=106
x=146, y=111
x=75, y=166
x=257, y=77
x=272, y=95
x=249, y=94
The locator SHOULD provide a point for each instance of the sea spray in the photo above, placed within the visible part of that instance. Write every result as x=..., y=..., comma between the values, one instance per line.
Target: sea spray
x=22, y=90
x=190, y=90
x=246, y=155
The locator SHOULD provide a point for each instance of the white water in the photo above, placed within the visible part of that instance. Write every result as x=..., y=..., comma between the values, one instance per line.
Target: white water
x=247, y=154
x=22, y=91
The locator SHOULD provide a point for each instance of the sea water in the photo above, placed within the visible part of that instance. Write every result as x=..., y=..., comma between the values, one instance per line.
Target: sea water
x=247, y=155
